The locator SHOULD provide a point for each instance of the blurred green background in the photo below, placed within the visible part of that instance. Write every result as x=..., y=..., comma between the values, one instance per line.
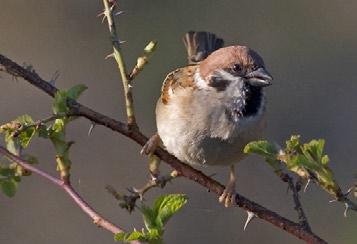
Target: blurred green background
x=310, y=47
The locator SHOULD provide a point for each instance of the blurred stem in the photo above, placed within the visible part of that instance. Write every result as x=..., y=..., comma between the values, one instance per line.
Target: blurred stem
x=97, y=219
x=109, y=7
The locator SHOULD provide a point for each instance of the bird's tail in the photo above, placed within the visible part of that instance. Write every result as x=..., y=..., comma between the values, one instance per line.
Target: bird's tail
x=200, y=44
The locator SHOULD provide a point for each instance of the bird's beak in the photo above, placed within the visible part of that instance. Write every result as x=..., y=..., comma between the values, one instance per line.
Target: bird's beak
x=259, y=78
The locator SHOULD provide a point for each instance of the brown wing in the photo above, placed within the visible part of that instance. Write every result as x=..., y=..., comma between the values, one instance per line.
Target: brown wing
x=180, y=78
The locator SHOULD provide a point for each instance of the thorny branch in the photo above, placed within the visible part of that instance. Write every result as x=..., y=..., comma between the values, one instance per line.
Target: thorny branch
x=97, y=219
x=183, y=169
x=109, y=7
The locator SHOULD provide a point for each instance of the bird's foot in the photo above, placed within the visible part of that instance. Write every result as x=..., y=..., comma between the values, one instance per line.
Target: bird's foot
x=151, y=145
x=229, y=194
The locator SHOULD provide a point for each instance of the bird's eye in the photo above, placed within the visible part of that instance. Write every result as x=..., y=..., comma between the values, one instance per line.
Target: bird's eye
x=237, y=68
x=254, y=67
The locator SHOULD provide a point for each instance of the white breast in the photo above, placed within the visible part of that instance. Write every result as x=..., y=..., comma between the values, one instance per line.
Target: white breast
x=194, y=125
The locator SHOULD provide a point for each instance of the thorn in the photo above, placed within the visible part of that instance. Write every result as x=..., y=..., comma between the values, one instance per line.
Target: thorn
x=349, y=191
x=250, y=217
x=333, y=200
x=54, y=78
x=122, y=42
x=130, y=85
x=118, y=13
x=111, y=55
x=104, y=17
x=347, y=206
x=307, y=184
x=101, y=13
x=91, y=129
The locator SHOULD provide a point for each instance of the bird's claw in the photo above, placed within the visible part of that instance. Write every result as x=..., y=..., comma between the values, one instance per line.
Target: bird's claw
x=228, y=197
x=151, y=145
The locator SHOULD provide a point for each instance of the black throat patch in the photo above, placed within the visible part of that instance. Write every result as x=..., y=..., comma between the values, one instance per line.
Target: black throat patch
x=253, y=101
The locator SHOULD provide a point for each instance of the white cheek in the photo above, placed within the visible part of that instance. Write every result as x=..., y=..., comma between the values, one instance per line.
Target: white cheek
x=200, y=83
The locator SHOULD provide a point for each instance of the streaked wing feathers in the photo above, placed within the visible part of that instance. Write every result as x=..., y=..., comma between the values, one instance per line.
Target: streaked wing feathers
x=180, y=78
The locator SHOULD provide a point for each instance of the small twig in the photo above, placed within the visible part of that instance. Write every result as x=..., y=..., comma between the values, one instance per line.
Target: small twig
x=161, y=181
x=295, y=188
x=97, y=219
x=109, y=7
x=298, y=206
x=38, y=123
x=129, y=201
x=142, y=60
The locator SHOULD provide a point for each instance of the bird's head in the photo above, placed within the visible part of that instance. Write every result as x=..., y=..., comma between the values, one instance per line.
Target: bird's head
x=233, y=64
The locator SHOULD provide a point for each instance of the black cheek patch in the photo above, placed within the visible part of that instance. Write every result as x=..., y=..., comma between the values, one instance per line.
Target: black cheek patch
x=218, y=83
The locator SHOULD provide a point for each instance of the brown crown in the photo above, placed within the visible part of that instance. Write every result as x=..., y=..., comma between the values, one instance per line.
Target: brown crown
x=226, y=57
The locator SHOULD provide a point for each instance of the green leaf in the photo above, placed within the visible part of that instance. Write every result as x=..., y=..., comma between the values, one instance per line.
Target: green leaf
x=75, y=91
x=127, y=237
x=9, y=187
x=136, y=235
x=7, y=172
x=149, y=217
x=150, y=47
x=25, y=119
x=60, y=102
x=325, y=159
x=26, y=136
x=155, y=218
x=263, y=148
x=43, y=131
x=120, y=236
x=293, y=143
x=59, y=125
x=154, y=234
x=18, y=133
x=12, y=144
x=166, y=206
x=308, y=161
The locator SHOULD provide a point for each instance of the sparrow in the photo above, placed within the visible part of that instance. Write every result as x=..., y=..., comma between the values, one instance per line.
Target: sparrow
x=210, y=109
